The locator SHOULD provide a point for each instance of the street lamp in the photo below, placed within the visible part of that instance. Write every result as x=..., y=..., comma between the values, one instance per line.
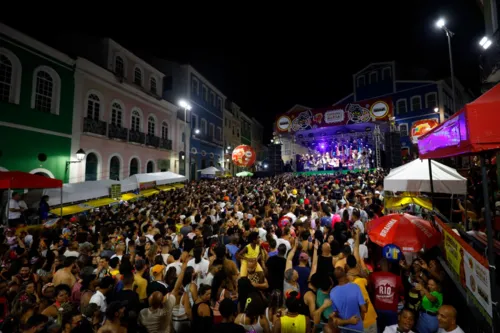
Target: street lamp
x=441, y=24
x=80, y=155
x=485, y=42
x=196, y=131
x=436, y=110
x=186, y=106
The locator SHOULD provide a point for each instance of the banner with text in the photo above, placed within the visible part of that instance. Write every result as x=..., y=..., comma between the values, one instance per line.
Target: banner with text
x=380, y=109
x=469, y=266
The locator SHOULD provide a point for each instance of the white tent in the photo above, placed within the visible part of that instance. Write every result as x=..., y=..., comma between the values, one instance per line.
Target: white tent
x=161, y=178
x=414, y=177
x=80, y=191
x=209, y=171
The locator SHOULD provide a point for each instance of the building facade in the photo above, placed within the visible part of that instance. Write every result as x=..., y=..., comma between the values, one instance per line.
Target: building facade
x=120, y=119
x=246, y=129
x=36, y=104
x=204, y=144
x=258, y=142
x=232, y=134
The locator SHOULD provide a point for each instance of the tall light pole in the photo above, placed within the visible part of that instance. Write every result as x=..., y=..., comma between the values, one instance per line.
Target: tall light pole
x=186, y=106
x=441, y=24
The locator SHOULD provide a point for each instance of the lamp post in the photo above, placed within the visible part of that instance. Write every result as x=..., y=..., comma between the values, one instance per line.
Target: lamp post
x=80, y=155
x=441, y=24
x=186, y=106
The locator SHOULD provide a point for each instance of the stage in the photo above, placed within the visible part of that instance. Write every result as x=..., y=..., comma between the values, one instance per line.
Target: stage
x=330, y=172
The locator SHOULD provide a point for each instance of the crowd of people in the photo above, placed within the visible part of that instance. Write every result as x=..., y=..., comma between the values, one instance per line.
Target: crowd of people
x=282, y=254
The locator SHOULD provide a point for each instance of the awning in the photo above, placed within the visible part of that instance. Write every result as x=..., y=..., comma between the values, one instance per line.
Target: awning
x=471, y=130
x=149, y=192
x=82, y=207
x=22, y=180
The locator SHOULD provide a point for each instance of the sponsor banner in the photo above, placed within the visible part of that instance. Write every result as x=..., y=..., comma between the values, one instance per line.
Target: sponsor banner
x=420, y=127
x=353, y=113
x=146, y=185
x=469, y=267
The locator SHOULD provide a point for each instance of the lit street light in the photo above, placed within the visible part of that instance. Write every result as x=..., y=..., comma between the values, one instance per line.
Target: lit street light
x=186, y=106
x=441, y=24
x=436, y=110
x=485, y=42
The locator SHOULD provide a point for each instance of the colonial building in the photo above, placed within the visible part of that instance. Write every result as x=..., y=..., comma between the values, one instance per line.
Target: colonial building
x=232, y=134
x=120, y=119
x=36, y=106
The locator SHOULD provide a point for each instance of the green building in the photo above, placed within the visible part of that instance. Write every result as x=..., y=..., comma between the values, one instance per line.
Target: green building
x=36, y=106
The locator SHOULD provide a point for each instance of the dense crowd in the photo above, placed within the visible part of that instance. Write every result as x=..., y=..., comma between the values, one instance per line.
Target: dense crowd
x=281, y=254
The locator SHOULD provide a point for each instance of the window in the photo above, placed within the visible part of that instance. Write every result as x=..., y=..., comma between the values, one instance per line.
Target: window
x=194, y=86
x=152, y=85
x=373, y=78
x=219, y=103
x=138, y=76
x=204, y=126
x=164, y=130
x=46, y=89
x=135, y=124
x=403, y=129
x=91, y=162
x=386, y=73
x=212, y=98
x=119, y=66
x=151, y=125
x=401, y=106
x=114, y=168
x=6, y=70
x=416, y=103
x=360, y=81
x=93, y=107
x=134, y=167
x=194, y=121
x=150, y=167
x=211, y=130
x=116, y=114
x=218, y=133
x=10, y=77
x=431, y=100
x=205, y=93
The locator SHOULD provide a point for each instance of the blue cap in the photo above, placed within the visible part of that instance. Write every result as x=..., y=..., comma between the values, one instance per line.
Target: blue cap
x=326, y=221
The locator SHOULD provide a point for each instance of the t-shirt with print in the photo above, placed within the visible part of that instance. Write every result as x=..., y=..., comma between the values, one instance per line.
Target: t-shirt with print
x=388, y=288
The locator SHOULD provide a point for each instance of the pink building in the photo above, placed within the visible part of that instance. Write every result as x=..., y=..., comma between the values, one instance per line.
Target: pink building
x=120, y=119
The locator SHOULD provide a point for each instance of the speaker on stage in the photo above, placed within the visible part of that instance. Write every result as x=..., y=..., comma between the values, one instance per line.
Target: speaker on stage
x=392, y=156
x=275, y=160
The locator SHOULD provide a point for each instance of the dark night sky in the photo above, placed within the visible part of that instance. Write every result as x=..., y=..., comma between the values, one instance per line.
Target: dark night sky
x=267, y=60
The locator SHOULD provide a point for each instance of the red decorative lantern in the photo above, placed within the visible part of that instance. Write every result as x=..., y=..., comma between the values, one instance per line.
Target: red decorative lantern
x=244, y=156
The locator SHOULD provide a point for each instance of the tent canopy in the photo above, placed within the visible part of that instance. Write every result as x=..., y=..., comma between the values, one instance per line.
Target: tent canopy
x=414, y=177
x=21, y=180
x=161, y=178
x=471, y=130
x=74, y=192
x=209, y=171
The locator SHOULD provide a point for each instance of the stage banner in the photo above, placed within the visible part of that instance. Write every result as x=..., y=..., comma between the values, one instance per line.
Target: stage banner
x=469, y=267
x=380, y=109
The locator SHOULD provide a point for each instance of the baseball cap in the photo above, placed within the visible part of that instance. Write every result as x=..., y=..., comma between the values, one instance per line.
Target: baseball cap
x=157, y=269
x=326, y=221
x=303, y=256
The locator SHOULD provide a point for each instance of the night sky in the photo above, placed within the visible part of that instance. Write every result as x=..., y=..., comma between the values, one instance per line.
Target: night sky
x=267, y=60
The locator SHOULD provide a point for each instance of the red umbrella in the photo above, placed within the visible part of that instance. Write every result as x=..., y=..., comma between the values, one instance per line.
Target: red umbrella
x=406, y=231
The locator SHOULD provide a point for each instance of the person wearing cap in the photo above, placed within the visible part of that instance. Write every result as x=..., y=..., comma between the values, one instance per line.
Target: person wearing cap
x=304, y=271
x=114, y=313
x=158, y=272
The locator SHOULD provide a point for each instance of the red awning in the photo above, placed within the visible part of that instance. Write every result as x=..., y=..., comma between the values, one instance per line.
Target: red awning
x=20, y=180
x=473, y=129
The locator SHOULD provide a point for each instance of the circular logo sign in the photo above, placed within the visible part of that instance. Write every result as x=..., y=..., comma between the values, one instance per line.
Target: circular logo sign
x=379, y=109
x=284, y=123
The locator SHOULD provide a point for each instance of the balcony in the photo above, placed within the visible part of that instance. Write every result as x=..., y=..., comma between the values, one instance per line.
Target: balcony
x=152, y=140
x=166, y=144
x=137, y=137
x=117, y=132
x=94, y=126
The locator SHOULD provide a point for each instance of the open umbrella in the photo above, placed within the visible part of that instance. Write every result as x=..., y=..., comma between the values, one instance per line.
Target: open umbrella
x=408, y=232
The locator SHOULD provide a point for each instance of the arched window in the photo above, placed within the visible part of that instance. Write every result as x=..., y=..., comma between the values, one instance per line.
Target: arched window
x=93, y=107
x=119, y=66
x=114, y=168
x=138, y=76
x=152, y=85
x=150, y=167
x=44, y=93
x=135, y=124
x=134, y=167
x=164, y=130
x=91, y=167
x=116, y=114
x=10, y=77
x=151, y=125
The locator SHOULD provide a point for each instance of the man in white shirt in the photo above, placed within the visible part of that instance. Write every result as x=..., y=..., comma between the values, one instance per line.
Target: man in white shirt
x=99, y=298
x=406, y=320
x=15, y=211
x=447, y=318
x=358, y=224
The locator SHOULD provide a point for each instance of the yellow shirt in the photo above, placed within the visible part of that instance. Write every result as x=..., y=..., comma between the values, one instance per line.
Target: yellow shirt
x=371, y=315
x=251, y=253
x=293, y=324
x=178, y=227
x=141, y=284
